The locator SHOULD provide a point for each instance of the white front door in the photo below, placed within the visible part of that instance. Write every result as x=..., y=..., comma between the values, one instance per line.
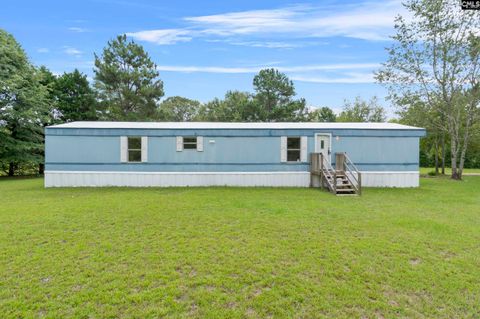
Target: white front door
x=322, y=145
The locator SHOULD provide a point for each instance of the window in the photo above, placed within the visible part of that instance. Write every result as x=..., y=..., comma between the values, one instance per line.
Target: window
x=293, y=149
x=134, y=149
x=189, y=143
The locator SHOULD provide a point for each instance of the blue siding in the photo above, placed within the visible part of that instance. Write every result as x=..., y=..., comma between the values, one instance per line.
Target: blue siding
x=234, y=150
x=224, y=150
x=368, y=151
x=82, y=149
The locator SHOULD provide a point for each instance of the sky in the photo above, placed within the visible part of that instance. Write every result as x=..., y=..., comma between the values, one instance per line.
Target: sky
x=330, y=49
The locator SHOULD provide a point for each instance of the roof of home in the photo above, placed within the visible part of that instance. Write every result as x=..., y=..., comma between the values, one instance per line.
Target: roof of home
x=223, y=125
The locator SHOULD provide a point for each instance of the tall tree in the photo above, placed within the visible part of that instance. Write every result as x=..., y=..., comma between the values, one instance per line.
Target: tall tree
x=274, y=97
x=436, y=58
x=75, y=99
x=362, y=111
x=178, y=109
x=322, y=114
x=127, y=81
x=23, y=106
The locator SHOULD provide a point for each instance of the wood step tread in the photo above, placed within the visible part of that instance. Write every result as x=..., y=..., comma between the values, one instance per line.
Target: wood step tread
x=344, y=190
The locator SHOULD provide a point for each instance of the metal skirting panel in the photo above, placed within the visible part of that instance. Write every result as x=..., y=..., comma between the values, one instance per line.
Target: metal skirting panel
x=179, y=179
x=390, y=179
x=173, y=179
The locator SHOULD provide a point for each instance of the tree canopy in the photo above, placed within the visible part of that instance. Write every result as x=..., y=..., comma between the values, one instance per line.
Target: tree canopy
x=322, y=114
x=274, y=93
x=75, y=99
x=362, y=111
x=23, y=106
x=127, y=81
x=435, y=58
x=178, y=109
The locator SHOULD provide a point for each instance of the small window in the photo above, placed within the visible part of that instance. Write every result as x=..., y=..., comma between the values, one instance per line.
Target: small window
x=322, y=144
x=190, y=143
x=134, y=149
x=293, y=149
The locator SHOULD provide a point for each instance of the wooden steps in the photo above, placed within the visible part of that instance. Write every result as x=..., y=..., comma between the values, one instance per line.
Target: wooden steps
x=341, y=181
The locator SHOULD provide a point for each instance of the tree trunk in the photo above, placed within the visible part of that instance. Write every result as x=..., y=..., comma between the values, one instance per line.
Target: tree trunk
x=443, y=153
x=11, y=169
x=465, y=145
x=436, y=155
x=454, y=157
x=41, y=168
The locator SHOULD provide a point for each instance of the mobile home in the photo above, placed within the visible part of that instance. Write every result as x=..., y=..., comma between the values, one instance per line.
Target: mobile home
x=231, y=154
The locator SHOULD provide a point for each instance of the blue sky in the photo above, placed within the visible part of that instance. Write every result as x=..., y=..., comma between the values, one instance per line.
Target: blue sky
x=204, y=48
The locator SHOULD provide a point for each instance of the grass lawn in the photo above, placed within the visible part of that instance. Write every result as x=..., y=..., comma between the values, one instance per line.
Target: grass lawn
x=426, y=170
x=239, y=253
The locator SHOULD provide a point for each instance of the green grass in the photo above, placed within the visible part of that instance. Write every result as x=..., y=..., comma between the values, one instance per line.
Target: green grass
x=426, y=170
x=239, y=253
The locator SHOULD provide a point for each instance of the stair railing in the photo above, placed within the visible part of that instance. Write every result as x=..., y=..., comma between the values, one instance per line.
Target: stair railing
x=353, y=174
x=327, y=170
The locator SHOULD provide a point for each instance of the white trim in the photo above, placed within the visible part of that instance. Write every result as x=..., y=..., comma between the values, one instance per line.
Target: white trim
x=303, y=149
x=144, y=149
x=179, y=143
x=123, y=149
x=199, y=143
x=283, y=149
x=390, y=172
x=168, y=179
x=175, y=173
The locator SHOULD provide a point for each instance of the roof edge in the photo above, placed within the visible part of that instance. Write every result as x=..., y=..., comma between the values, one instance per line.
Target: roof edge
x=233, y=125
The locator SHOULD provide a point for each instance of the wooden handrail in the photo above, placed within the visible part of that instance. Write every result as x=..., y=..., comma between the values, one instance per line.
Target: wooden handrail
x=348, y=160
x=358, y=177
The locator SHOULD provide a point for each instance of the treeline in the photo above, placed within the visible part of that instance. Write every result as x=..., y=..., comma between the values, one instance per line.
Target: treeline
x=433, y=76
x=127, y=87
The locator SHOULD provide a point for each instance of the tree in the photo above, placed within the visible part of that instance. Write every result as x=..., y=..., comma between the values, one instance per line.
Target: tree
x=237, y=106
x=322, y=114
x=362, y=111
x=127, y=81
x=435, y=57
x=23, y=107
x=274, y=98
x=418, y=113
x=178, y=109
x=75, y=99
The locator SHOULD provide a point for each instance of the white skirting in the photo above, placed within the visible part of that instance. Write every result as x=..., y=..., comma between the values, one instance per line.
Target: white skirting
x=391, y=179
x=169, y=179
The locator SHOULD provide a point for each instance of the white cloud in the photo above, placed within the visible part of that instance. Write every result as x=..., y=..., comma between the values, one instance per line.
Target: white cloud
x=349, y=77
x=367, y=20
x=78, y=29
x=43, y=50
x=72, y=51
x=267, y=44
x=162, y=37
x=255, y=69
x=371, y=21
x=326, y=73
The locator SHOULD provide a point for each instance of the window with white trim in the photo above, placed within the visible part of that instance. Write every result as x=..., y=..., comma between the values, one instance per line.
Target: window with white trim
x=293, y=149
x=190, y=143
x=134, y=151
